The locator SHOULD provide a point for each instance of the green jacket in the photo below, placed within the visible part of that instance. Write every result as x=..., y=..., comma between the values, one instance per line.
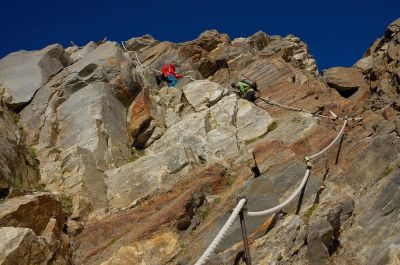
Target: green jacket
x=242, y=87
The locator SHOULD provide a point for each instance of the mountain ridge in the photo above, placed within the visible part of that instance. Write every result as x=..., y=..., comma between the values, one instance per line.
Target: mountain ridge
x=146, y=174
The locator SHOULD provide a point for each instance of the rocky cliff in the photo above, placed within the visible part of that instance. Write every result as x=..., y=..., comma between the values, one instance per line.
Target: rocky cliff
x=100, y=164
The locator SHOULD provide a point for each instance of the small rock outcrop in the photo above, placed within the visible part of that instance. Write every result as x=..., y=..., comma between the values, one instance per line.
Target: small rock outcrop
x=344, y=79
x=18, y=162
x=32, y=230
x=23, y=73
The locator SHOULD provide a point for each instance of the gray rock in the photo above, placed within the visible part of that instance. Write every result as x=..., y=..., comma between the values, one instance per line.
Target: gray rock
x=23, y=73
x=135, y=180
x=190, y=131
x=374, y=231
x=202, y=93
x=221, y=143
x=223, y=112
x=79, y=139
x=393, y=27
x=22, y=246
x=157, y=133
x=252, y=122
x=171, y=117
x=105, y=63
x=18, y=165
x=82, y=52
x=379, y=153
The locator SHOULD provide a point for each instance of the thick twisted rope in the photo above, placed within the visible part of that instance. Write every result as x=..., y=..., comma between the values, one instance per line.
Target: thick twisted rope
x=211, y=248
x=288, y=200
x=305, y=178
x=221, y=234
x=332, y=143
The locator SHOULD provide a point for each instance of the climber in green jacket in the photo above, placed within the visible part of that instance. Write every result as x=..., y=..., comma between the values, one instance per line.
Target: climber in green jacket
x=246, y=89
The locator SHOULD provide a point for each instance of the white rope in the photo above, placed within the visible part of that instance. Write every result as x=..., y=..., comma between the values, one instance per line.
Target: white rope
x=221, y=234
x=287, y=201
x=332, y=143
x=211, y=248
x=304, y=181
x=333, y=117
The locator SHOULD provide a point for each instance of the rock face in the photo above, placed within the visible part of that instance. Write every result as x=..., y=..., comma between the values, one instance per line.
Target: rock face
x=145, y=170
x=32, y=230
x=23, y=73
x=22, y=246
x=18, y=164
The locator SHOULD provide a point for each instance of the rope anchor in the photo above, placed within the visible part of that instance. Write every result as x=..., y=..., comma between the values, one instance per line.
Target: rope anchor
x=244, y=233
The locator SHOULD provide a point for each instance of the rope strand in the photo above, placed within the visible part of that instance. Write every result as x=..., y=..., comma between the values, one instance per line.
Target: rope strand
x=221, y=234
x=333, y=117
x=211, y=248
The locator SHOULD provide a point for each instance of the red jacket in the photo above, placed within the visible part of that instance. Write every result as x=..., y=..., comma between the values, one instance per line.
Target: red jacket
x=169, y=69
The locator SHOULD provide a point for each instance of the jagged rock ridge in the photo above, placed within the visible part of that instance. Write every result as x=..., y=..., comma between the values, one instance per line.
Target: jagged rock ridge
x=147, y=170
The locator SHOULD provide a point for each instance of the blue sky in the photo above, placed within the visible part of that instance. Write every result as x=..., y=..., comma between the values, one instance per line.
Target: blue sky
x=337, y=32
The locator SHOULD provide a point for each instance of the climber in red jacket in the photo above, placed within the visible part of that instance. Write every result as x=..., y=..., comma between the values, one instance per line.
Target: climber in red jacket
x=168, y=74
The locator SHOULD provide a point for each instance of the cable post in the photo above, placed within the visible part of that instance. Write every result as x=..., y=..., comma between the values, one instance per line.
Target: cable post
x=243, y=229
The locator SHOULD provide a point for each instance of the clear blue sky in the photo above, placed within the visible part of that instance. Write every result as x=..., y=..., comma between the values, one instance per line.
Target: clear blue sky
x=337, y=32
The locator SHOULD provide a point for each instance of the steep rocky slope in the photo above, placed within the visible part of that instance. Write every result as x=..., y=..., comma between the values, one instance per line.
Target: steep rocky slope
x=132, y=172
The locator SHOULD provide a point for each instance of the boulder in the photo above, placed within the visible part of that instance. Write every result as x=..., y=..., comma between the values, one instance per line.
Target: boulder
x=32, y=211
x=365, y=64
x=258, y=41
x=319, y=239
x=80, y=53
x=393, y=27
x=92, y=140
x=252, y=122
x=135, y=44
x=23, y=247
x=202, y=94
x=140, y=114
x=106, y=63
x=343, y=78
x=23, y=73
x=190, y=132
x=210, y=39
x=136, y=180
